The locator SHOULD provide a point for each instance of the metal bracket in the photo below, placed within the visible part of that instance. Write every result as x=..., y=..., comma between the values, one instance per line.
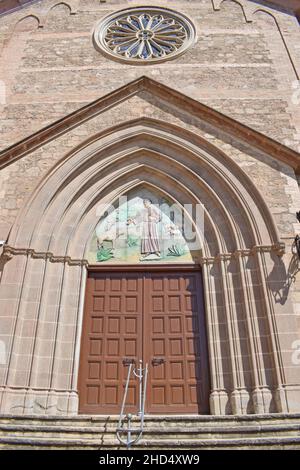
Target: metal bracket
x=297, y=238
x=127, y=361
x=297, y=245
x=156, y=361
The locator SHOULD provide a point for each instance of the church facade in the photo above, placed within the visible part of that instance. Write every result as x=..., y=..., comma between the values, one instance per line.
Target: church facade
x=149, y=186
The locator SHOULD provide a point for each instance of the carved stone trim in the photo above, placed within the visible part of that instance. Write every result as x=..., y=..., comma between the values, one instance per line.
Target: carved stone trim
x=278, y=248
x=9, y=252
x=162, y=92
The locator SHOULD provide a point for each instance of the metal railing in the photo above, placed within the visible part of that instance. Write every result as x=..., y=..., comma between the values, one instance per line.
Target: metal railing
x=124, y=425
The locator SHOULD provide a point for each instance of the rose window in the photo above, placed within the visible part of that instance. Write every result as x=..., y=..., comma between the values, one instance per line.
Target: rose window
x=144, y=35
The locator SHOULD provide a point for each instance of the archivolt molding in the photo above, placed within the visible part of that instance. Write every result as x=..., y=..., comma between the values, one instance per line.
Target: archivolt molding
x=52, y=231
x=90, y=174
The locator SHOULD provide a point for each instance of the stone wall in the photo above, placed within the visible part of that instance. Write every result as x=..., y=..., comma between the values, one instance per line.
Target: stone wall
x=243, y=68
x=243, y=269
x=244, y=64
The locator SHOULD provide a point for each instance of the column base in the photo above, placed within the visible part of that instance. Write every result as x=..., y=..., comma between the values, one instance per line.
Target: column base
x=219, y=403
x=38, y=402
x=240, y=402
x=262, y=400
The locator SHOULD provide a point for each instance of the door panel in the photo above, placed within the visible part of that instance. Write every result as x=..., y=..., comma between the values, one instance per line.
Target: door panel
x=112, y=329
x=154, y=316
x=175, y=343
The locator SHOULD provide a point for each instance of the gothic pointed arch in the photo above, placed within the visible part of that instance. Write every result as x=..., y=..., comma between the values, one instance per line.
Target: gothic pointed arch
x=49, y=241
x=170, y=151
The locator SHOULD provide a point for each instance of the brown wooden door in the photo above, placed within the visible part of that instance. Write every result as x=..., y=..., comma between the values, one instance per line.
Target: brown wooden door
x=156, y=316
x=112, y=331
x=175, y=343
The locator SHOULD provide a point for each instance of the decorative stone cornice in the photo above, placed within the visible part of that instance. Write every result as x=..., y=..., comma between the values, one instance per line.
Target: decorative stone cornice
x=9, y=252
x=224, y=256
x=176, y=99
x=278, y=249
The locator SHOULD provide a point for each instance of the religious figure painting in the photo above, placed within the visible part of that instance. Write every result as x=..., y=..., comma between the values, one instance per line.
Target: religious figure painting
x=142, y=227
x=149, y=218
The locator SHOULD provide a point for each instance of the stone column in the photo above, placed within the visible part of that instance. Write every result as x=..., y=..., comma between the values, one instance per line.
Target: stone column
x=12, y=280
x=239, y=395
x=217, y=324
x=23, y=345
x=278, y=371
x=218, y=393
x=63, y=367
x=258, y=385
x=44, y=333
x=45, y=344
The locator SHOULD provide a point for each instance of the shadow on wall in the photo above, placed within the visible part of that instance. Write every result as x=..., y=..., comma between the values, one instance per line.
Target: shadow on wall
x=12, y=5
x=2, y=263
x=291, y=7
x=281, y=279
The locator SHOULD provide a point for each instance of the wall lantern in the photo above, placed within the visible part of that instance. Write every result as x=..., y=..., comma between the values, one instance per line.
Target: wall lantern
x=297, y=238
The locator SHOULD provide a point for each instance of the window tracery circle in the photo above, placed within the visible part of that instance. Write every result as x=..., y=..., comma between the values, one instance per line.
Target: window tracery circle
x=144, y=35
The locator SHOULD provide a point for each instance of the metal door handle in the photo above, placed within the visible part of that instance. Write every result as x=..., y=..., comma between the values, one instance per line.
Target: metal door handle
x=156, y=361
x=127, y=361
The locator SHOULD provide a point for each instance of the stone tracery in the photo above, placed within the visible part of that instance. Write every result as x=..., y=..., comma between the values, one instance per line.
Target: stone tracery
x=143, y=35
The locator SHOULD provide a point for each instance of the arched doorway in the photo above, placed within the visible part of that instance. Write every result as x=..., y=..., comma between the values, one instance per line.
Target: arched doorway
x=149, y=309
x=49, y=256
x=155, y=314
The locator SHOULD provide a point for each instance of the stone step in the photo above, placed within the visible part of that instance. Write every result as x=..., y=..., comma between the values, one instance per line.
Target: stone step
x=154, y=420
x=162, y=432
x=196, y=432
x=282, y=443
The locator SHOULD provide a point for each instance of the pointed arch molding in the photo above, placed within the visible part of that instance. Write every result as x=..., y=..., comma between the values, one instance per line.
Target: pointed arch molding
x=133, y=152
x=46, y=251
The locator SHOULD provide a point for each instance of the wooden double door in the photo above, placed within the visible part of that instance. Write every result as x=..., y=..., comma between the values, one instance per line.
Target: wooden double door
x=153, y=315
